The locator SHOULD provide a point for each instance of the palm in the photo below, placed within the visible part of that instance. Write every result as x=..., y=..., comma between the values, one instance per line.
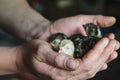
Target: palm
x=69, y=26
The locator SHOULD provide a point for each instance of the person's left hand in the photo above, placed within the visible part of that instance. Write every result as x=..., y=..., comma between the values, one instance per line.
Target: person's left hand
x=74, y=25
x=37, y=62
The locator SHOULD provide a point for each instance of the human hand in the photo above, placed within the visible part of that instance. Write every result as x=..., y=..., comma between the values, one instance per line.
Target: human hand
x=58, y=61
x=98, y=56
x=74, y=25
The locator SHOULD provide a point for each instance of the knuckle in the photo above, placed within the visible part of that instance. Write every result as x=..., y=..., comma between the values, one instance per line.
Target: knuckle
x=88, y=68
x=60, y=60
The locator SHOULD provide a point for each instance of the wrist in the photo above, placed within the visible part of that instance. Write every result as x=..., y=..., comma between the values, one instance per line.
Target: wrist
x=24, y=62
x=8, y=60
x=39, y=29
x=22, y=21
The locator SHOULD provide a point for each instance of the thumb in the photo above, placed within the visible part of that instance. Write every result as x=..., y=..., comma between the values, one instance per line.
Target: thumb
x=46, y=55
x=104, y=21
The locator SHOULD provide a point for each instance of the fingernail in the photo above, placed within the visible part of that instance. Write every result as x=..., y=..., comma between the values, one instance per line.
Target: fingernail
x=72, y=64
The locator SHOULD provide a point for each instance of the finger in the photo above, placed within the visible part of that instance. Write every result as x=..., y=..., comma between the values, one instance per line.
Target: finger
x=112, y=57
x=82, y=31
x=109, y=49
x=104, y=21
x=61, y=60
x=52, y=73
x=43, y=69
x=94, y=54
x=110, y=36
x=104, y=67
x=117, y=45
x=100, y=58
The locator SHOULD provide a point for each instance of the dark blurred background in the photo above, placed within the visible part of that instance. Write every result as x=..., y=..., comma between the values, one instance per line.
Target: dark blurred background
x=55, y=9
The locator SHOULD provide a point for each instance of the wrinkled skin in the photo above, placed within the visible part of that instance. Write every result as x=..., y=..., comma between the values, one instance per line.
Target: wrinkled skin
x=63, y=67
x=27, y=24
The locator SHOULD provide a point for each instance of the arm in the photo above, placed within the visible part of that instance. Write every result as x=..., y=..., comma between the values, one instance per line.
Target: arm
x=21, y=20
x=27, y=24
x=8, y=59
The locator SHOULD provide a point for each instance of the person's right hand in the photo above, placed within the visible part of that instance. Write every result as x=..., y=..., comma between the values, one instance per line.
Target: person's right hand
x=51, y=64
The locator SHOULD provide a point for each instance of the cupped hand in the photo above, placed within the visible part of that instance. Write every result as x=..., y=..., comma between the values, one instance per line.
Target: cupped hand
x=73, y=25
x=45, y=61
x=59, y=66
